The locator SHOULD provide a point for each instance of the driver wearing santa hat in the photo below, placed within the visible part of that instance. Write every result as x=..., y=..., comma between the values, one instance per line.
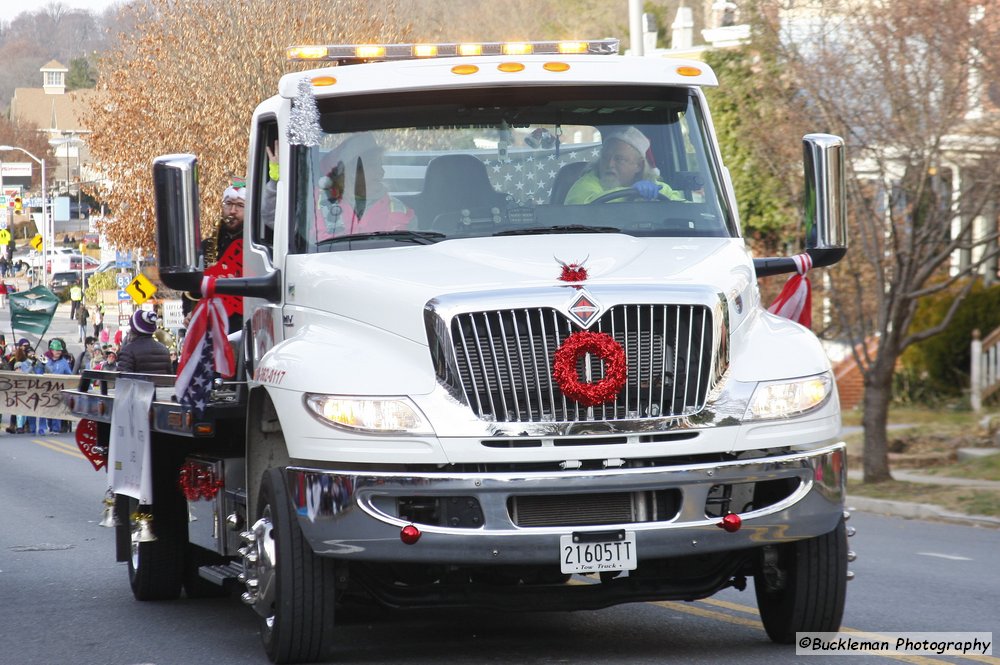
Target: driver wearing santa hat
x=625, y=163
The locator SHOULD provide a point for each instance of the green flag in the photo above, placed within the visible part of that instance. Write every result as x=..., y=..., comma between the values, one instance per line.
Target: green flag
x=32, y=310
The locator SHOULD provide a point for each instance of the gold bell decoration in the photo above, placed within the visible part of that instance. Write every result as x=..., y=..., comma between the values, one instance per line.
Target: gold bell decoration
x=108, y=517
x=142, y=528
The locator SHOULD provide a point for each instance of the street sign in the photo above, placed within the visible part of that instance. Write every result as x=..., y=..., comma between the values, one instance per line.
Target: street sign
x=122, y=279
x=141, y=289
x=123, y=295
x=37, y=243
x=123, y=259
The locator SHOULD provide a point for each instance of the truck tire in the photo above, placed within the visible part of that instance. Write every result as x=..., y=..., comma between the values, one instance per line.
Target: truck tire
x=805, y=590
x=295, y=592
x=156, y=569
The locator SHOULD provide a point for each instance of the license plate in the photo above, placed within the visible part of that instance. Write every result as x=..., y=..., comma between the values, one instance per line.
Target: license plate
x=581, y=555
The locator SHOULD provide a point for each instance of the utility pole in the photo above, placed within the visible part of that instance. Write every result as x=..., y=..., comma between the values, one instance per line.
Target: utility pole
x=635, y=27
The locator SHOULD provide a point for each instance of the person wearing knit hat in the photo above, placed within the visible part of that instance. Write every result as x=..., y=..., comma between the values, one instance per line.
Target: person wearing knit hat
x=229, y=238
x=625, y=165
x=234, y=200
x=143, y=354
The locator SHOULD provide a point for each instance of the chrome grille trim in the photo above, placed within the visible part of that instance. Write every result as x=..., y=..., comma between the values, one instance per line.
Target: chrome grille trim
x=498, y=361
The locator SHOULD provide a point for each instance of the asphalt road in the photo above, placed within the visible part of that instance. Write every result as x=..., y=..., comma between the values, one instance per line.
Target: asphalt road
x=64, y=600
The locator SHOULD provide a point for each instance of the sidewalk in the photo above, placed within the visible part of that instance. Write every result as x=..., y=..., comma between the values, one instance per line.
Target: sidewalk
x=925, y=511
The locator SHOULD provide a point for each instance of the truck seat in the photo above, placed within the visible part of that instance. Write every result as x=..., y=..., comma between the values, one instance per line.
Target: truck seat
x=453, y=183
x=567, y=175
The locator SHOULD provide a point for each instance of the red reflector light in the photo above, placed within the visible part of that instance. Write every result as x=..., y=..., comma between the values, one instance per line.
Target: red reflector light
x=409, y=534
x=731, y=523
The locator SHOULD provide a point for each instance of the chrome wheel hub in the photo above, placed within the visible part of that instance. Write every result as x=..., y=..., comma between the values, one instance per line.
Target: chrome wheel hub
x=259, y=563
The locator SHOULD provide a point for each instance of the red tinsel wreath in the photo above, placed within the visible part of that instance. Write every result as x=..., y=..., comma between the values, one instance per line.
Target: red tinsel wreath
x=604, y=347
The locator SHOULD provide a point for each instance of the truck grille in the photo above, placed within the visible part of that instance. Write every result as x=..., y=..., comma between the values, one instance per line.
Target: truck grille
x=502, y=360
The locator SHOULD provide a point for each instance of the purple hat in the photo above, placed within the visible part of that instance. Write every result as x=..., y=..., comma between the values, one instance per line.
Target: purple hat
x=23, y=342
x=144, y=322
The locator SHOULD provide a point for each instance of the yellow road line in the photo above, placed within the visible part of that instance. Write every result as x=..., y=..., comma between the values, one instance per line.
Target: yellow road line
x=738, y=607
x=52, y=445
x=62, y=444
x=688, y=608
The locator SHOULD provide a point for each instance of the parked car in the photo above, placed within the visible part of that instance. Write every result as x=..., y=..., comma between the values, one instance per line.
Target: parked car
x=35, y=259
x=87, y=263
x=62, y=281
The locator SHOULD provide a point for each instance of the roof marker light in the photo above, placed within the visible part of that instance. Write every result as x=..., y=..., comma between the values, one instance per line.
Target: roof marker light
x=555, y=67
x=510, y=67
x=305, y=52
x=573, y=47
x=323, y=81
x=517, y=48
x=688, y=71
x=464, y=69
x=369, y=51
x=425, y=50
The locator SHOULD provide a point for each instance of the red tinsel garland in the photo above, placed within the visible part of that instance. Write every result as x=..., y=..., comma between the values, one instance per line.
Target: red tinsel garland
x=573, y=272
x=604, y=347
x=197, y=482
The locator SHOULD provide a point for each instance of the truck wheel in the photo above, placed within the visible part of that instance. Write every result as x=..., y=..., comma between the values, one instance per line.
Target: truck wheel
x=156, y=568
x=801, y=586
x=290, y=587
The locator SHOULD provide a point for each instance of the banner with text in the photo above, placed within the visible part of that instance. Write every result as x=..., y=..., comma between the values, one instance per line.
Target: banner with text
x=35, y=394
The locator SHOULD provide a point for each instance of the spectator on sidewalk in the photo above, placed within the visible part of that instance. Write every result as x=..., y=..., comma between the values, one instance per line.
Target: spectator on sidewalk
x=98, y=319
x=143, y=353
x=82, y=315
x=75, y=299
x=86, y=358
x=59, y=363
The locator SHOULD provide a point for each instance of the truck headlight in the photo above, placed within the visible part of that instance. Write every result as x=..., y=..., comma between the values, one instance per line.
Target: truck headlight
x=781, y=399
x=397, y=415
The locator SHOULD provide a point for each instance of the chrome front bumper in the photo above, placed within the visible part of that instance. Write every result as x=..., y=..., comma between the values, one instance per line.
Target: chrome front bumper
x=347, y=514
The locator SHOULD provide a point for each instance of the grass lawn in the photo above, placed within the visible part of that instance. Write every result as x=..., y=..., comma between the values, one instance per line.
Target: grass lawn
x=963, y=500
x=926, y=441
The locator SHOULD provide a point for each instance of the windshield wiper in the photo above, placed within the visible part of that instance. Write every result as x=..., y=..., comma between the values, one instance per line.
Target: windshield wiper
x=562, y=228
x=416, y=237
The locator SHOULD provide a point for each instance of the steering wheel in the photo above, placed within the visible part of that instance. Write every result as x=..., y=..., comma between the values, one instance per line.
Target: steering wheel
x=628, y=193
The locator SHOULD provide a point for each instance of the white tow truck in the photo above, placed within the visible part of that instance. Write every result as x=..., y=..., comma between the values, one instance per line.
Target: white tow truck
x=485, y=391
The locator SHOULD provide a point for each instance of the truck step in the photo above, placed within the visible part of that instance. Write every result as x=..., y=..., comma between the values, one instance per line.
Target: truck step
x=220, y=573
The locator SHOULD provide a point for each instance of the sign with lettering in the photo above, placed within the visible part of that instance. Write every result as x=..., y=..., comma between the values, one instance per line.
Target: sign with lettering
x=23, y=394
x=129, y=455
x=173, y=314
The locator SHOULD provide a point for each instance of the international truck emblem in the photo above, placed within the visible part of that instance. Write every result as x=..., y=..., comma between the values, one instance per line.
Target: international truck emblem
x=583, y=309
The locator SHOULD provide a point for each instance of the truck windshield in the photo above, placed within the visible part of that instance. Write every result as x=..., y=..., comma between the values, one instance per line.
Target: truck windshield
x=427, y=167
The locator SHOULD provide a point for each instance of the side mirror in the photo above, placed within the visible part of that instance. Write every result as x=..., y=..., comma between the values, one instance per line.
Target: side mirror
x=178, y=234
x=178, y=222
x=823, y=161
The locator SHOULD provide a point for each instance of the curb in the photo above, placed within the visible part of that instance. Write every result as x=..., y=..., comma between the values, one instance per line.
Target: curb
x=920, y=511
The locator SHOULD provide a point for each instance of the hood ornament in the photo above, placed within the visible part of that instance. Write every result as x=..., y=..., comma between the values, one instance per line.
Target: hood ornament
x=573, y=272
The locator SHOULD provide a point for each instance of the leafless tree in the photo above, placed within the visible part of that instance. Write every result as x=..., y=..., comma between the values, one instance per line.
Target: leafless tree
x=188, y=79
x=905, y=84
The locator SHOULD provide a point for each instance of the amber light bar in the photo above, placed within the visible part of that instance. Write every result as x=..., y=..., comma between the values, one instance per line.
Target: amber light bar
x=346, y=54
